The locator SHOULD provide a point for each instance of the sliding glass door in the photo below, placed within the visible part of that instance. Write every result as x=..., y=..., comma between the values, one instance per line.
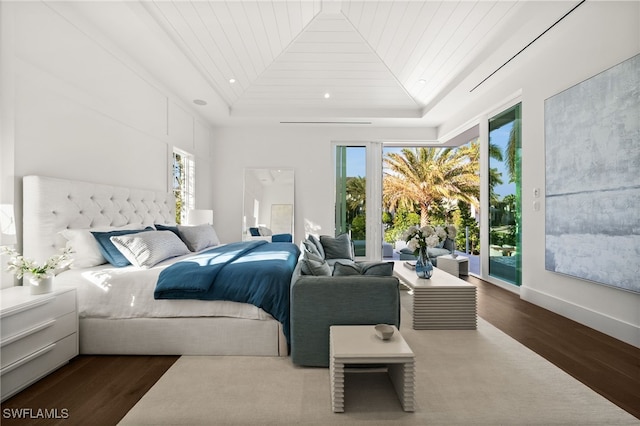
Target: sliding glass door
x=351, y=195
x=505, y=260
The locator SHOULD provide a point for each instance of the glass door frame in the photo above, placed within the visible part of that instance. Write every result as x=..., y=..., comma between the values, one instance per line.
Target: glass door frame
x=484, y=192
x=373, y=149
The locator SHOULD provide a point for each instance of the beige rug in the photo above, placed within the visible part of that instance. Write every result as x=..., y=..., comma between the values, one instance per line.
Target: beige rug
x=479, y=377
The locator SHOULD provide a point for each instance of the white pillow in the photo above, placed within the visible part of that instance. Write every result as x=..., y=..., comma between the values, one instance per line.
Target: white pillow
x=198, y=237
x=146, y=249
x=264, y=231
x=86, y=251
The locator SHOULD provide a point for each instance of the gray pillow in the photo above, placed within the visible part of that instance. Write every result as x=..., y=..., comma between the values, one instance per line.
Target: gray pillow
x=198, y=237
x=311, y=247
x=312, y=264
x=381, y=269
x=342, y=269
x=146, y=249
x=318, y=245
x=338, y=247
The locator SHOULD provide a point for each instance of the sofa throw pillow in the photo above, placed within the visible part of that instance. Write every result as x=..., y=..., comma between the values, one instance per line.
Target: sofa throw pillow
x=312, y=264
x=110, y=251
x=338, y=247
x=318, y=244
x=380, y=269
x=342, y=269
x=147, y=249
x=310, y=247
x=198, y=237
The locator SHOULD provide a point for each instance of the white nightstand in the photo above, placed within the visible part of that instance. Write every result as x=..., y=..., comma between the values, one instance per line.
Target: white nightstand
x=39, y=333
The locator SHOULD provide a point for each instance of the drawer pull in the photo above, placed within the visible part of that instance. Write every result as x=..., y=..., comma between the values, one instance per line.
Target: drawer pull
x=27, y=359
x=28, y=332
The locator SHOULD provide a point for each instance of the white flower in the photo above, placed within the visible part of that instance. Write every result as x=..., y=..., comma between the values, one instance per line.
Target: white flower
x=432, y=240
x=441, y=233
x=451, y=232
x=19, y=265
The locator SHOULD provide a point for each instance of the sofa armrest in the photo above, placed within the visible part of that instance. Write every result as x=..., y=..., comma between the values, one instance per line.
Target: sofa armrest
x=320, y=302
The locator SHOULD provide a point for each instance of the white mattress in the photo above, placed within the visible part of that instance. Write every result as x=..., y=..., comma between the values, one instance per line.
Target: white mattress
x=115, y=293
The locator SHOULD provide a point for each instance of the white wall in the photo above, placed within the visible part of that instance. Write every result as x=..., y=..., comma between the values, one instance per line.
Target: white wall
x=77, y=108
x=307, y=150
x=595, y=37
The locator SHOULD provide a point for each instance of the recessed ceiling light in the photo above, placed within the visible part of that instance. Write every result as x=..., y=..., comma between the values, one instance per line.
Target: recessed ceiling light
x=232, y=80
x=422, y=81
x=199, y=102
x=327, y=95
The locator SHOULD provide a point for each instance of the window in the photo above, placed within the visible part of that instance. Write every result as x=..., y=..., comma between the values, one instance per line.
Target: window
x=351, y=195
x=183, y=183
x=504, y=196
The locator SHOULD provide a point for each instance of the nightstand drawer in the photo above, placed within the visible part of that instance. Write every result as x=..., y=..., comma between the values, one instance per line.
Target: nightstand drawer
x=39, y=310
x=13, y=348
x=19, y=375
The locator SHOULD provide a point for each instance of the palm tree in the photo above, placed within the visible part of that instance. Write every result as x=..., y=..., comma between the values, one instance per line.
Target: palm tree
x=420, y=177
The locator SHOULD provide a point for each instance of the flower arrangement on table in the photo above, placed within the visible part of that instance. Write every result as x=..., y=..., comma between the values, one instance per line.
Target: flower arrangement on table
x=21, y=266
x=420, y=238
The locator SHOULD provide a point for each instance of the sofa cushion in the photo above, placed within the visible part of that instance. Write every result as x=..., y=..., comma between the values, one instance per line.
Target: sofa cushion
x=337, y=247
x=318, y=245
x=381, y=269
x=344, y=269
x=312, y=264
x=312, y=248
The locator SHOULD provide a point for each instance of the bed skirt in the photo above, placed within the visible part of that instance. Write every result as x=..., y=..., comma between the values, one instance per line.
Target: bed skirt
x=182, y=336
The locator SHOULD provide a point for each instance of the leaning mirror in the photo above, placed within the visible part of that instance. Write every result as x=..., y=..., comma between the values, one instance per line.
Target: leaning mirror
x=268, y=204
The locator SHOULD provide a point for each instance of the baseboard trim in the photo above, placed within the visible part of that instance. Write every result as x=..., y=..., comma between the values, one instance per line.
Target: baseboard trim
x=610, y=326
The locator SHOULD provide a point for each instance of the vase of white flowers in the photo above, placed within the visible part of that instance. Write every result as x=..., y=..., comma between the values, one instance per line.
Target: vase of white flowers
x=419, y=239
x=40, y=276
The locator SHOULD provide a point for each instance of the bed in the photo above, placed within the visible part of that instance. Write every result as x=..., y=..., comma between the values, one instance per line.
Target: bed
x=118, y=313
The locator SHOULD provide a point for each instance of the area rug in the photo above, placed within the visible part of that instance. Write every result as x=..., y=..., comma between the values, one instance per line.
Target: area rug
x=463, y=377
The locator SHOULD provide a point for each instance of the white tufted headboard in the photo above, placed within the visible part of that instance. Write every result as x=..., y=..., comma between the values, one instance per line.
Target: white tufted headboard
x=51, y=205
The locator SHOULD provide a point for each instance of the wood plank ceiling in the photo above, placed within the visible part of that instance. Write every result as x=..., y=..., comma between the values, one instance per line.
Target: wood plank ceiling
x=331, y=58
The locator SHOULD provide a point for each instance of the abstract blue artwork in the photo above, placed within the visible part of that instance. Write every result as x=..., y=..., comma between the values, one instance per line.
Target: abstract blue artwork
x=592, y=189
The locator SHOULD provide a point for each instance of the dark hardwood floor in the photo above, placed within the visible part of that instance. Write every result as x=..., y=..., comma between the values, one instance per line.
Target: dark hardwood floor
x=100, y=390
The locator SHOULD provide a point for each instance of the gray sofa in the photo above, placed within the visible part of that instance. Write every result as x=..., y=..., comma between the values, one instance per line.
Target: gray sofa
x=432, y=252
x=320, y=301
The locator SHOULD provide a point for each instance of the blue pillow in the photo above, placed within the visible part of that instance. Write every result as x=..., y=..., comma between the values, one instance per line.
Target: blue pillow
x=254, y=232
x=161, y=227
x=281, y=238
x=109, y=251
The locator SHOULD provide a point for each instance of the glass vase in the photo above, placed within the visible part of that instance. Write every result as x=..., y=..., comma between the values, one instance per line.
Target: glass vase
x=424, y=268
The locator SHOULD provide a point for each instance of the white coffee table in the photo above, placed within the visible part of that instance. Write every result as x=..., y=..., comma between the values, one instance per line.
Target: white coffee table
x=443, y=302
x=456, y=266
x=358, y=344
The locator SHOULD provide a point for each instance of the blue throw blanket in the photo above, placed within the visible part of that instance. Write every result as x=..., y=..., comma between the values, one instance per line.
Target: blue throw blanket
x=255, y=272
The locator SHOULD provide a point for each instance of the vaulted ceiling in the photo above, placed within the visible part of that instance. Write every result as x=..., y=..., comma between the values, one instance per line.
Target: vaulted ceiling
x=328, y=60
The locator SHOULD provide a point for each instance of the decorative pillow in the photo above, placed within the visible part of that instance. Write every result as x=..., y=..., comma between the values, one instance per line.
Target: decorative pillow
x=172, y=228
x=198, y=237
x=86, y=251
x=281, y=238
x=254, y=232
x=109, y=251
x=341, y=269
x=318, y=244
x=309, y=246
x=312, y=264
x=146, y=249
x=264, y=231
x=338, y=247
x=382, y=269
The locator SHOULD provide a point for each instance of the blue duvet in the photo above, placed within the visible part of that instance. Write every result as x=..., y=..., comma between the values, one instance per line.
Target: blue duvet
x=255, y=272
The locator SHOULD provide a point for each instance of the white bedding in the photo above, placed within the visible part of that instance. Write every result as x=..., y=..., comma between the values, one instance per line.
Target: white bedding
x=108, y=292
